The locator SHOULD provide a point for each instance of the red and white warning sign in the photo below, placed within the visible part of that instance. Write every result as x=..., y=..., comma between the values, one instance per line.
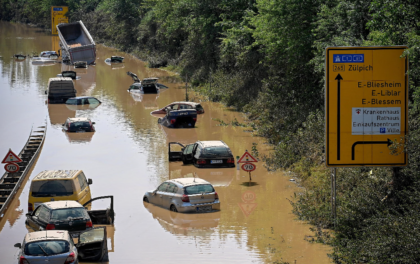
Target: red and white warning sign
x=11, y=167
x=247, y=158
x=248, y=167
x=11, y=157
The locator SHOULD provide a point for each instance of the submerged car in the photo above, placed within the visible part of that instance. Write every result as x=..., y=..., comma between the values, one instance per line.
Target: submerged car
x=147, y=85
x=70, y=74
x=180, y=105
x=49, y=54
x=203, y=154
x=57, y=247
x=60, y=89
x=78, y=124
x=183, y=118
x=185, y=195
x=68, y=215
x=83, y=100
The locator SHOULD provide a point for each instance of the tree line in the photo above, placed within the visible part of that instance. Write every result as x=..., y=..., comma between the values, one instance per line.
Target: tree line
x=266, y=58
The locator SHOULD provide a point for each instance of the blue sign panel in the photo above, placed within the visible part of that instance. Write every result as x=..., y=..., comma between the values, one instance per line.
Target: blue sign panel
x=57, y=8
x=348, y=58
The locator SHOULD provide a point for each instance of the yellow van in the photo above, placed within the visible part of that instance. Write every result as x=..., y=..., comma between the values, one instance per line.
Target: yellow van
x=56, y=185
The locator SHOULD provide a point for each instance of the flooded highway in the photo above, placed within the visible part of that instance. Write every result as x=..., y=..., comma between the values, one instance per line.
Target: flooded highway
x=128, y=155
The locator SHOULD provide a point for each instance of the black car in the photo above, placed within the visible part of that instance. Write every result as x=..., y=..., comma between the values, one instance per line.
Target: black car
x=183, y=118
x=78, y=124
x=203, y=154
x=68, y=215
x=83, y=100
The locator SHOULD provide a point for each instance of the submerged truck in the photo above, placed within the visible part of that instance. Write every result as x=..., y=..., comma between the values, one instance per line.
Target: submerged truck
x=76, y=43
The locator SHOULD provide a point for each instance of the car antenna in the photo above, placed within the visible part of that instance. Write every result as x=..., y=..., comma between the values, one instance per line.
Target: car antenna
x=194, y=175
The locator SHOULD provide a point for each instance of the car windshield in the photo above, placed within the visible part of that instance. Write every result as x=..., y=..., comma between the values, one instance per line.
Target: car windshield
x=47, y=248
x=80, y=124
x=69, y=74
x=198, y=189
x=94, y=235
x=52, y=188
x=219, y=151
x=63, y=214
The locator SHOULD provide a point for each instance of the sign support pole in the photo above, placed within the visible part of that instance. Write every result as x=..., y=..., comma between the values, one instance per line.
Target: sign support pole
x=250, y=176
x=333, y=194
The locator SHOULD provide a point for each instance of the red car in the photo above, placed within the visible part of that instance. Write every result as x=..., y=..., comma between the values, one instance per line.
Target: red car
x=180, y=106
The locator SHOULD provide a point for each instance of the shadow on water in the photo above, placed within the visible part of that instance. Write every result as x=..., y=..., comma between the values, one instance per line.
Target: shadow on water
x=249, y=184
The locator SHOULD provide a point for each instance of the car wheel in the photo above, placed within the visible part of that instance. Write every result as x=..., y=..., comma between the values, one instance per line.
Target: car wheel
x=173, y=208
x=145, y=199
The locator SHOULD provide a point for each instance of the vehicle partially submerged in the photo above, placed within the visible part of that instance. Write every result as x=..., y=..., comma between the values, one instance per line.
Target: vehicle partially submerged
x=70, y=74
x=70, y=216
x=185, y=195
x=19, y=56
x=203, y=154
x=182, y=118
x=79, y=125
x=57, y=246
x=76, y=43
x=180, y=105
x=146, y=86
x=60, y=89
x=80, y=64
x=115, y=59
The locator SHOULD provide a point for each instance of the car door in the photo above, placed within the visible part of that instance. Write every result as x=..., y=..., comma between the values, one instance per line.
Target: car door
x=187, y=154
x=38, y=219
x=102, y=216
x=92, y=245
x=168, y=195
x=84, y=191
x=160, y=193
x=174, y=154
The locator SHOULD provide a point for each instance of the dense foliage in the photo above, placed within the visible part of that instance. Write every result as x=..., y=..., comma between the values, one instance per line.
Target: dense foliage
x=266, y=57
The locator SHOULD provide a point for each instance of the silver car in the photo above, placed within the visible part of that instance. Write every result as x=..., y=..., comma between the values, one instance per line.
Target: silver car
x=52, y=246
x=185, y=195
x=57, y=247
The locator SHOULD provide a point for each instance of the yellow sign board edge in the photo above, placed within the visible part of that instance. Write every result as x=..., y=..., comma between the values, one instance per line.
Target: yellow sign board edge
x=52, y=22
x=326, y=100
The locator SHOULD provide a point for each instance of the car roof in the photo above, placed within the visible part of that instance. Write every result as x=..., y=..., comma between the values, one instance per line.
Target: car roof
x=189, y=181
x=78, y=119
x=63, y=204
x=184, y=102
x=47, y=235
x=81, y=97
x=212, y=143
x=55, y=175
x=60, y=79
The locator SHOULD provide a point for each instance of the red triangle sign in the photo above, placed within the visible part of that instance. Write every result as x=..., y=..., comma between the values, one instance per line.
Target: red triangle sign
x=247, y=208
x=11, y=158
x=247, y=158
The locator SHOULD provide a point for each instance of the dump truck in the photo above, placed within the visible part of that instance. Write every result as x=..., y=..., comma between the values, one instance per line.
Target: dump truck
x=76, y=43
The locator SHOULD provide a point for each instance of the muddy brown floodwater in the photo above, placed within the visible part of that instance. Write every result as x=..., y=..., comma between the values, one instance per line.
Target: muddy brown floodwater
x=127, y=155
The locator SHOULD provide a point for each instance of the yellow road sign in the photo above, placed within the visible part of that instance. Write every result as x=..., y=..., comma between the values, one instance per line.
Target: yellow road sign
x=366, y=105
x=57, y=17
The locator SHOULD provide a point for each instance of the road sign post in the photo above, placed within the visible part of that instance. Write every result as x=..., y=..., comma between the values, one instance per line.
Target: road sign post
x=248, y=166
x=366, y=105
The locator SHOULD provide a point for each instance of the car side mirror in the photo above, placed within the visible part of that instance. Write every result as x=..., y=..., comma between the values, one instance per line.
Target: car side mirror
x=90, y=181
x=93, y=123
x=18, y=245
x=182, y=149
x=154, y=192
x=28, y=214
